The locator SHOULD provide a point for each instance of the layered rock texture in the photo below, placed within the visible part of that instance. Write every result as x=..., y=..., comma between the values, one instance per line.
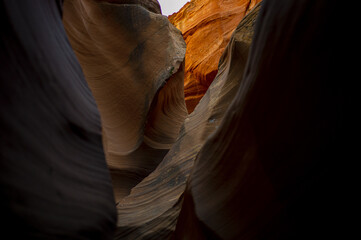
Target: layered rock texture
x=132, y=58
x=54, y=181
x=207, y=26
x=158, y=198
x=103, y=148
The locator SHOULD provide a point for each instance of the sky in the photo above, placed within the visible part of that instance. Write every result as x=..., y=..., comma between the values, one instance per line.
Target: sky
x=171, y=6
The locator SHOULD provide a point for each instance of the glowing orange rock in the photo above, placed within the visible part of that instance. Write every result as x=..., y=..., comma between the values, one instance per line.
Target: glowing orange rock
x=207, y=26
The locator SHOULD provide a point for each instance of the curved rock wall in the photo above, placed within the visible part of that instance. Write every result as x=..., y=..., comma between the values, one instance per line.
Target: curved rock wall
x=132, y=59
x=273, y=167
x=158, y=198
x=54, y=181
x=262, y=156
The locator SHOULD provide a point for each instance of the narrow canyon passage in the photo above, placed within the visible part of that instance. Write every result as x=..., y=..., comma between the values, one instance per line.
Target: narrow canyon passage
x=223, y=120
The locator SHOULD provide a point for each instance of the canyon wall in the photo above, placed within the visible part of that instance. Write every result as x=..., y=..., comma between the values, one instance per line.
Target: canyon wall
x=264, y=155
x=273, y=169
x=132, y=58
x=207, y=26
x=158, y=198
x=54, y=180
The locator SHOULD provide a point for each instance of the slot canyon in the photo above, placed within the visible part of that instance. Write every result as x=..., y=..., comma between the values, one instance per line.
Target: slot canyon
x=228, y=119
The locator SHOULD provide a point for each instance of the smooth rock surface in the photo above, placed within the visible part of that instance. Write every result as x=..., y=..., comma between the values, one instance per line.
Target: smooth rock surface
x=264, y=155
x=273, y=168
x=54, y=181
x=151, y=210
x=132, y=58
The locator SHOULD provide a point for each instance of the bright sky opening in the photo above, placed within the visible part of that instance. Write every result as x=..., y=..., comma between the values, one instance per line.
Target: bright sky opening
x=171, y=6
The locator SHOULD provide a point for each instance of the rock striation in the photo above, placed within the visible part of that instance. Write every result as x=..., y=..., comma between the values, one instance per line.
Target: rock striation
x=153, y=206
x=268, y=170
x=207, y=26
x=132, y=58
x=54, y=181
x=262, y=156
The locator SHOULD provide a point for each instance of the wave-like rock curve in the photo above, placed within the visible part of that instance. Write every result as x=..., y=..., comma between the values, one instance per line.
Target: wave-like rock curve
x=54, y=181
x=132, y=58
x=262, y=156
x=158, y=198
x=268, y=171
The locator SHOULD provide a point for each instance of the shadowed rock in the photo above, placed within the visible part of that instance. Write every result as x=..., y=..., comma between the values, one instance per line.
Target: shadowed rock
x=54, y=181
x=153, y=206
x=132, y=59
x=268, y=171
x=262, y=156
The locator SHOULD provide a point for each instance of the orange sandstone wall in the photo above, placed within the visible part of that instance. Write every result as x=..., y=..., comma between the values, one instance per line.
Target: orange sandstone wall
x=207, y=26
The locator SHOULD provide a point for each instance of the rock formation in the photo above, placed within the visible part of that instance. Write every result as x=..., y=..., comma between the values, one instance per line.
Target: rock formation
x=158, y=198
x=132, y=59
x=207, y=26
x=268, y=171
x=262, y=156
x=54, y=181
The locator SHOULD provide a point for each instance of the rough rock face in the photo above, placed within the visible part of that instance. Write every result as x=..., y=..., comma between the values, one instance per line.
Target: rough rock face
x=207, y=26
x=54, y=181
x=132, y=59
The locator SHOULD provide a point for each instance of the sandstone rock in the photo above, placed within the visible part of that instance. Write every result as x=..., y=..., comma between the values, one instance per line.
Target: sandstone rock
x=54, y=181
x=207, y=26
x=151, y=5
x=152, y=208
x=132, y=59
x=262, y=156
x=268, y=171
